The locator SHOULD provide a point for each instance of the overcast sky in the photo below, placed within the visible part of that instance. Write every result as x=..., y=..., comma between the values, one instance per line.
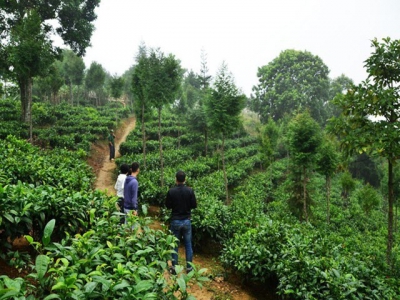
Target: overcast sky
x=245, y=34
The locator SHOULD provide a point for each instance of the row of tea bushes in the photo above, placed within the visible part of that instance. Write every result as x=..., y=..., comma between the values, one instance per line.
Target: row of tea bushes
x=62, y=125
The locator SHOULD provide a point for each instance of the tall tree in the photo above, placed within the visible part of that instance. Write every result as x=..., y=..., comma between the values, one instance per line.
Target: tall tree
x=127, y=88
x=304, y=136
x=164, y=81
x=370, y=113
x=197, y=119
x=338, y=85
x=348, y=184
x=193, y=94
x=195, y=90
x=269, y=135
x=26, y=43
x=191, y=89
x=30, y=54
x=223, y=108
x=55, y=79
x=294, y=80
x=140, y=78
x=327, y=161
x=94, y=80
x=117, y=85
x=73, y=70
x=47, y=87
x=205, y=79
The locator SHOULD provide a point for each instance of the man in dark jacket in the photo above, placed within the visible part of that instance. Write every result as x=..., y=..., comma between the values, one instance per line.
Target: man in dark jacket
x=131, y=188
x=181, y=200
x=111, y=144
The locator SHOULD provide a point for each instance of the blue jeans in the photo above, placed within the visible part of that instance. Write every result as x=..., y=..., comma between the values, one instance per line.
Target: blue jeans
x=182, y=229
x=127, y=213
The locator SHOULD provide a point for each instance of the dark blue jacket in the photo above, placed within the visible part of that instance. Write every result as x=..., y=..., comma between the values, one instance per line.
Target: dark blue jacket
x=131, y=188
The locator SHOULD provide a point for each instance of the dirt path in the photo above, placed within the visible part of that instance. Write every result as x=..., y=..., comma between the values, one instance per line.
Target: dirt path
x=218, y=288
x=105, y=179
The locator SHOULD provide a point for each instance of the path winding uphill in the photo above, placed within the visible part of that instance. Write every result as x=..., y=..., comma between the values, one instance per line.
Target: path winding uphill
x=105, y=181
x=105, y=178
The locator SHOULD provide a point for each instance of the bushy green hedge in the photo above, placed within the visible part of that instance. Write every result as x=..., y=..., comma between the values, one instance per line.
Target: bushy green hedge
x=93, y=256
x=37, y=186
x=59, y=168
x=62, y=125
x=108, y=262
x=308, y=265
x=262, y=239
x=25, y=209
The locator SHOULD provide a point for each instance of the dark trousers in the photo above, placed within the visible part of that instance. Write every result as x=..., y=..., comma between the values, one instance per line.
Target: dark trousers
x=120, y=203
x=112, y=151
x=182, y=229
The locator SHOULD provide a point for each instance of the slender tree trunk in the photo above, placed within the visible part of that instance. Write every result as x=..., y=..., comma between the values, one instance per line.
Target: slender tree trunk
x=390, y=214
x=25, y=85
x=305, y=194
x=144, y=138
x=328, y=198
x=206, y=141
x=161, y=152
x=71, y=96
x=224, y=170
x=179, y=136
x=396, y=215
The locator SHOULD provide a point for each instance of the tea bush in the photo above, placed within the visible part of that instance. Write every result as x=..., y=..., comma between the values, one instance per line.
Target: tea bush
x=59, y=168
x=110, y=262
x=62, y=125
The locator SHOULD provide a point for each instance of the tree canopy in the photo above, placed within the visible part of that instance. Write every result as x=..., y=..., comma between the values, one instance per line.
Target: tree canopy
x=26, y=46
x=223, y=108
x=370, y=112
x=293, y=80
x=225, y=103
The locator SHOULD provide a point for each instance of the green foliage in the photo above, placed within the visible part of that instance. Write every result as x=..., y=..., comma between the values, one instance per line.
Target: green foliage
x=63, y=125
x=224, y=104
x=111, y=262
x=294, y=80
x=73, y=67
x=268, y=142
x=61, y=168
x=254, y=252
x=43, y=185
x=378, y=98
x=49, y=84
x=95, y=77
x=304, y=139
x=368, y=198
x=328, y=157
x=338, y=85
x=27, y=44
x=116, y=85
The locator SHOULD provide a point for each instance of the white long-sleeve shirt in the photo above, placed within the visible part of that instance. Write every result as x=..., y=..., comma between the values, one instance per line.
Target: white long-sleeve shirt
x=119, y=185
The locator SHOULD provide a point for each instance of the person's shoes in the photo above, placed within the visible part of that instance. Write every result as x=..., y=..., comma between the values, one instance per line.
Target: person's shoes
x=188, y=270
x=172, y=270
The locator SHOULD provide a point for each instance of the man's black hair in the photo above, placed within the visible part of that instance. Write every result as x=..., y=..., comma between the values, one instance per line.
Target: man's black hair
x=124, y=168
x=180, y=176
x=134, y=167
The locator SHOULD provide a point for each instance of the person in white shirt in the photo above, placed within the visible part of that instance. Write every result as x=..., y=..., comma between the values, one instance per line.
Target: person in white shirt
x=119, y=187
